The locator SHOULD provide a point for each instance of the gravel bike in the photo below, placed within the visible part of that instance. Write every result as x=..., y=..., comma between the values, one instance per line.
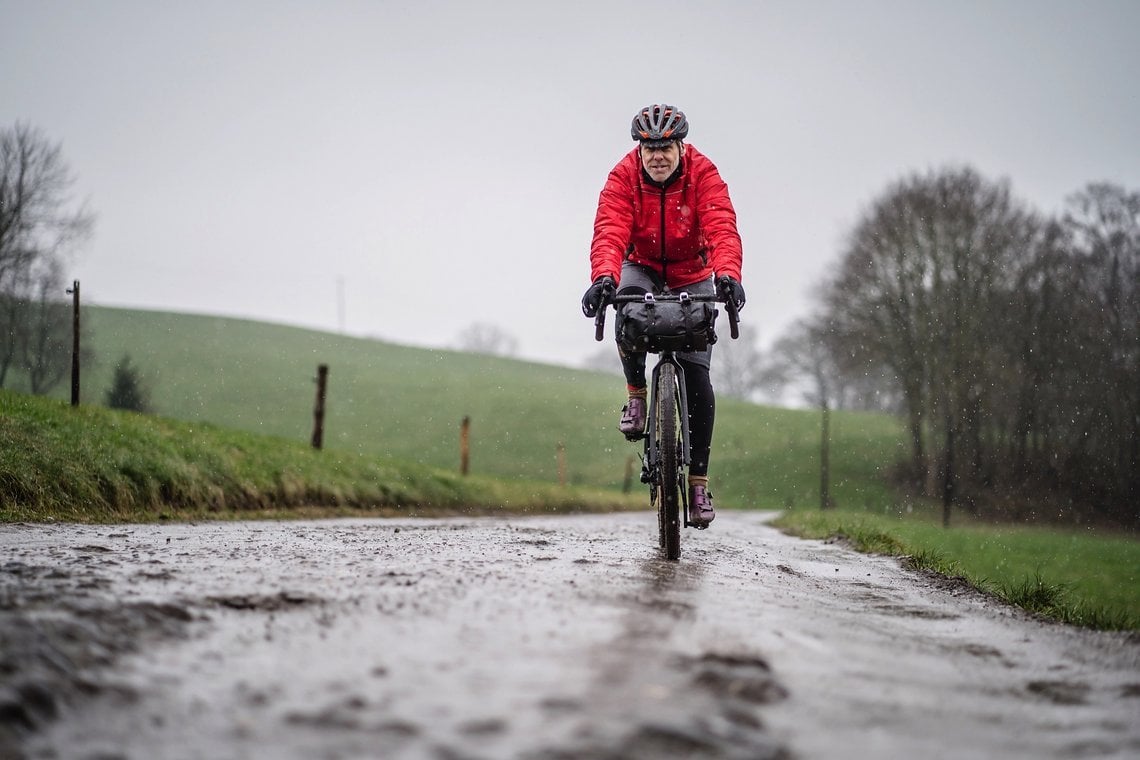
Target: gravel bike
x=666, y=438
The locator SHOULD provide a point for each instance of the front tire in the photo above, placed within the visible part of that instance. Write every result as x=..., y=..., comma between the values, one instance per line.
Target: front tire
x=668, y=498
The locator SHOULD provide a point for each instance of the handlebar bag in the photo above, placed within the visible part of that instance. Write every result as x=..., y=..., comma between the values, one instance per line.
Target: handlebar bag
x=657, y=326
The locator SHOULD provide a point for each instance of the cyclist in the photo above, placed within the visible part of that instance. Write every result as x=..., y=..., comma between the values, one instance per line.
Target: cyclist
x=664, y=219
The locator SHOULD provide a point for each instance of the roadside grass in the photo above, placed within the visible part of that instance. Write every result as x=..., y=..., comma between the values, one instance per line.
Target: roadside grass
x=91, y=464
x=1081, y=577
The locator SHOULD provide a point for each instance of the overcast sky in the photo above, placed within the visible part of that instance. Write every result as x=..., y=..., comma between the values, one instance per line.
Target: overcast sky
x=443, y=159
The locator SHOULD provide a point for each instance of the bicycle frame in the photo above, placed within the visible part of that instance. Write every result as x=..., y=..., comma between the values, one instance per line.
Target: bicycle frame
x=654, y=462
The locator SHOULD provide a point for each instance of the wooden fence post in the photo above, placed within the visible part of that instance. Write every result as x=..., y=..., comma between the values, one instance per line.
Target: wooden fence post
x=825, y=459
x=464, y=444
x=74, y=291
x=628, y=474
x=319, y=409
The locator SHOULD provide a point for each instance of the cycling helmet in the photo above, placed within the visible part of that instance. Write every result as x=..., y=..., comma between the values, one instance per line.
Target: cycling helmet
x=658, y=125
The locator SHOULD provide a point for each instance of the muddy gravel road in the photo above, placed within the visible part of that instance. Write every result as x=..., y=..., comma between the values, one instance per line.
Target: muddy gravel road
x=546, y=638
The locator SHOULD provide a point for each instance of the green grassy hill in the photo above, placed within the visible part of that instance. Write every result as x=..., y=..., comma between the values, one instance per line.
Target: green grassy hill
x=404, y=403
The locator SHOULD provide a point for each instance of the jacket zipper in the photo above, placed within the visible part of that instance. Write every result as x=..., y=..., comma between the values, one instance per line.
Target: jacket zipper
x=664, y=263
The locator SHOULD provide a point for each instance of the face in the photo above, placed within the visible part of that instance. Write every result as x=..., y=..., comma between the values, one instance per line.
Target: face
x=659, y=163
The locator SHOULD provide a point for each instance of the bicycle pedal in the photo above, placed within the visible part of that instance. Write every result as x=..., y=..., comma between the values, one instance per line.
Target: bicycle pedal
x=635, y=437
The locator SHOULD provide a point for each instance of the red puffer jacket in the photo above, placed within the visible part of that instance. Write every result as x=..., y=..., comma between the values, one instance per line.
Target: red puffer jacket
x=686, y=230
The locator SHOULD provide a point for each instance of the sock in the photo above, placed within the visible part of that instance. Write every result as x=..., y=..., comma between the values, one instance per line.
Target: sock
x=699, y=480
x=637, y=392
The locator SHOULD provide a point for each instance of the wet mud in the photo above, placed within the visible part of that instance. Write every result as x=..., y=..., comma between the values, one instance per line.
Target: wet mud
x=534, y=638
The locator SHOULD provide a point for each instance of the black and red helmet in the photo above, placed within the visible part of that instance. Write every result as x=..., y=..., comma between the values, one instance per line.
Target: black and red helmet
x=658, y=125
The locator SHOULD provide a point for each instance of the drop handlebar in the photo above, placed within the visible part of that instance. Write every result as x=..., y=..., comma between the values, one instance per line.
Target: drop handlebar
x=610, y=297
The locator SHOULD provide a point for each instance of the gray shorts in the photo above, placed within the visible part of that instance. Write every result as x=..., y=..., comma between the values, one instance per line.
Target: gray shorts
x=642, y=279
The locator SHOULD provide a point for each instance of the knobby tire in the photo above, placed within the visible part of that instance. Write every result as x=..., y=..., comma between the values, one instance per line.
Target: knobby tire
x=668, y=499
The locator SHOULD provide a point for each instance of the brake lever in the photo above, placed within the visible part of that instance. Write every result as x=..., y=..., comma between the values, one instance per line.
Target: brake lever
x=600, y=317
x=733, y=318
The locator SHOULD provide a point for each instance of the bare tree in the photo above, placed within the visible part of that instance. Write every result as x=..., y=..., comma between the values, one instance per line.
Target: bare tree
x=1037, y=370
x=45, y=344
x=801, y=356
x=879, y=299
x=1067, y=364
x=1013, y=342
x=483, y=338
x=1103, y=224
x=804, y=354
x=920, y=289
x=39, y=223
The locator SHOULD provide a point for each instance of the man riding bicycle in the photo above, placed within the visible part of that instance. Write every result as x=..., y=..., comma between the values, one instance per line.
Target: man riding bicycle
x=665, y=220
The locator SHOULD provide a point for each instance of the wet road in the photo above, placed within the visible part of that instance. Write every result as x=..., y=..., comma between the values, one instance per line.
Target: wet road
x=546, y=638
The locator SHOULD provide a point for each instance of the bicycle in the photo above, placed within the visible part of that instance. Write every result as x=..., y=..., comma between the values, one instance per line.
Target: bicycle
x=666, y=438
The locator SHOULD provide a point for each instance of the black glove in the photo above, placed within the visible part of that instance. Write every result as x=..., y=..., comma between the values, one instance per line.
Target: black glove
x=731, y=291
x=596, y=295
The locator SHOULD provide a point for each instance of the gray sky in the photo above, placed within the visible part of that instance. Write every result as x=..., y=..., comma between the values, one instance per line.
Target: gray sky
x=445, y=158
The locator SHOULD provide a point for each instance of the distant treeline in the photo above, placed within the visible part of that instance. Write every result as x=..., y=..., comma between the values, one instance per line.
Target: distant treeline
x=1009, y=339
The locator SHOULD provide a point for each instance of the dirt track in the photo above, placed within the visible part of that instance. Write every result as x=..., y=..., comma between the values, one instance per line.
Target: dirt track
x=546, y=638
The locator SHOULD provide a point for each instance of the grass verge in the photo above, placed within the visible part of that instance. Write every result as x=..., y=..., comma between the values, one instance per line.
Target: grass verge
x=1078, y=577
x=91, y=464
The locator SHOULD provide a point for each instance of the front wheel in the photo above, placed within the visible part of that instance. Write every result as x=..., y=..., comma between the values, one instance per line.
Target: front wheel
x=666, y=443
